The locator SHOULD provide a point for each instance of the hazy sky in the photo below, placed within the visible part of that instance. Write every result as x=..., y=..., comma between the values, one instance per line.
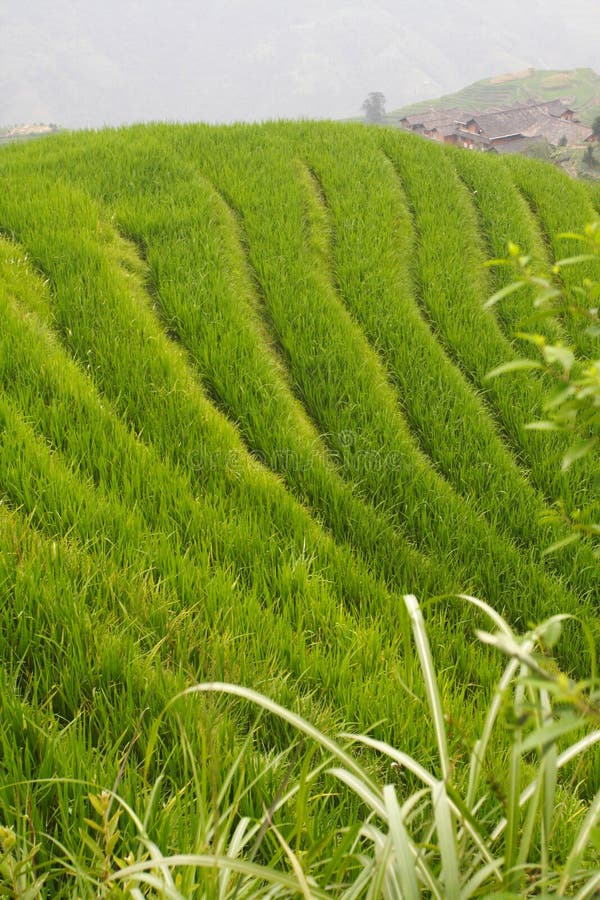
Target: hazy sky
x=93, y=62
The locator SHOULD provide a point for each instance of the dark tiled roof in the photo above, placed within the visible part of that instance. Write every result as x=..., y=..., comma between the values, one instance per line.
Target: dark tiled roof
x=557, y=107
x=445, y=129
x=506, y=122
x=535, y=119
x=554, y=129
x=432, y=118
x=528, y=120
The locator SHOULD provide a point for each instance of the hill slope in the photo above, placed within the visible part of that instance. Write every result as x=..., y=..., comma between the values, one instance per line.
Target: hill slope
x=583, y=85
x=243, y=408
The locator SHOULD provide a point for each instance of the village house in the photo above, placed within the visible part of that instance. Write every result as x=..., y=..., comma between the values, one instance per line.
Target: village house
x=507, y=129
x=21, y=132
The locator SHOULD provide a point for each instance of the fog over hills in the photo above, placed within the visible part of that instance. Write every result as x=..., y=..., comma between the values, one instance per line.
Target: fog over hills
x=87, y=64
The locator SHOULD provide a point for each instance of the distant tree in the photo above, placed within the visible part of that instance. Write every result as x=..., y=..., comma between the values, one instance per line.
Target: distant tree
x=588, y=157
x=374, y=108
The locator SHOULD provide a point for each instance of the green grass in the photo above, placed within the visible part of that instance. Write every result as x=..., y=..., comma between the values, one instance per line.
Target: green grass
x=243, y=410
x=594, y=192
x=559, y=203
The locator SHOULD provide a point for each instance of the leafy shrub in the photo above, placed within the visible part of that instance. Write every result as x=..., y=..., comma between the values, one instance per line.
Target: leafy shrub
x=573, y=405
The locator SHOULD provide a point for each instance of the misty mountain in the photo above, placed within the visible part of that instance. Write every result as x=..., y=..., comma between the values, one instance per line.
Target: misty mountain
x=86, y=64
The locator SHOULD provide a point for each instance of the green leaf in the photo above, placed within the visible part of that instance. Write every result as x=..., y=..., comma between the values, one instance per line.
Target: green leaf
x=550, y=632
x=545, y=296
x=538, y=340
x=574, y=260
x=489, y=263
x=297, y=722
x=549, y=734
x=543, y=425
x=503, y=292
x=555, y=353
x=515, y=365
x=559, y=397
x=571, y=236
x=578, y=451
x=570, y=539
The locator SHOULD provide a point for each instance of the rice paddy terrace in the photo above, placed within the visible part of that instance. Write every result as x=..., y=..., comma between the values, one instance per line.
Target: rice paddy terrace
x=243, y=408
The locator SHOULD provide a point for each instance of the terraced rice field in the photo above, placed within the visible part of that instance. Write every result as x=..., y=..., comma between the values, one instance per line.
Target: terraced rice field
x=243, y=408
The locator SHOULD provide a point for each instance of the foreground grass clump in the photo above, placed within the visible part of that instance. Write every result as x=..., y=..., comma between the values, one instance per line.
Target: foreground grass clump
x=457, y=829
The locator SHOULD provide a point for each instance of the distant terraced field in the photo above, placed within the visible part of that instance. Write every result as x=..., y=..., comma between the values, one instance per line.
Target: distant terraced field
x=581, y=85
x=243, y=408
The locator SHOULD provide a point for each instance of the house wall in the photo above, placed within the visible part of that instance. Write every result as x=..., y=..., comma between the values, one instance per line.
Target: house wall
x=504, y=141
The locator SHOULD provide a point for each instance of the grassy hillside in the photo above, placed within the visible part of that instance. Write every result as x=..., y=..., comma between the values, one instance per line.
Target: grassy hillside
x=583, y=85
x=243, y=408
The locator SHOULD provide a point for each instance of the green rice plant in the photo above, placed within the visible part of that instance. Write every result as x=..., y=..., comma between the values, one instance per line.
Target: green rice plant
x=451, y=275
x=207, y=299
x=523, y=312
x=364, y=445
x=151, y=385
x=207, y=621
x=104, y=451
x=230, y=430
x=594, y=193
x=504, y=215
x=322, y=344
x=365, y=232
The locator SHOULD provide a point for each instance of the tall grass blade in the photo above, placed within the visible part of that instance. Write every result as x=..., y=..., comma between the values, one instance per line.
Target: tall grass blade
x=581, y=842
x=429, y=677
x=447, y=841
x=406, y=853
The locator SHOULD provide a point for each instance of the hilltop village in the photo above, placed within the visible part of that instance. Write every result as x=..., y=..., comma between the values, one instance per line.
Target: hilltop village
x=27, y=132
x=511, y=129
